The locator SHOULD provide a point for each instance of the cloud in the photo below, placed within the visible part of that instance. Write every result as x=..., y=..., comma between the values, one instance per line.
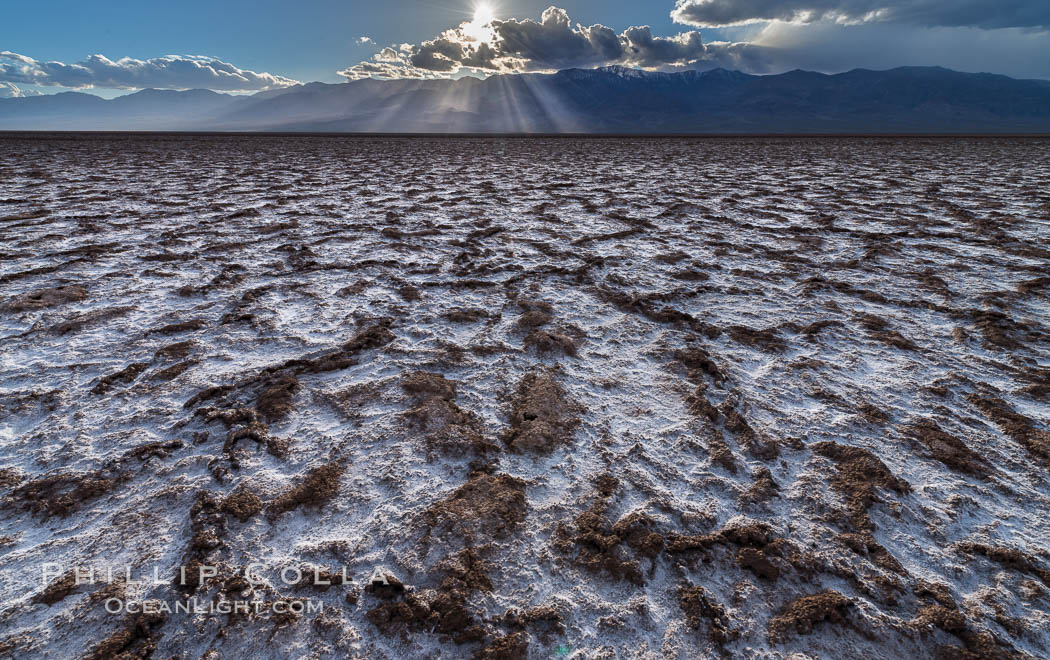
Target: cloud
x=169, y=72
x=383, y=70
x=552, y=43
x=832, y=48
x=12, y=91
x=365, y=40
x=985, y=14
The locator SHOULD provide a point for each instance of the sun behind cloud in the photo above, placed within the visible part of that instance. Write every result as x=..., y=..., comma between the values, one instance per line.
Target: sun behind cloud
x=479, y=28
x=483, y=13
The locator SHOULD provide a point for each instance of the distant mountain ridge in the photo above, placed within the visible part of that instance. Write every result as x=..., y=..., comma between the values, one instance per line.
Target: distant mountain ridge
x=606, y=100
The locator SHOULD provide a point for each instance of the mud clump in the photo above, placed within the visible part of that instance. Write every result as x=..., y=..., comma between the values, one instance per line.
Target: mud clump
x=864, y=544
x=534, y=319
x=761, y=447
x=763, y=489
x=542, y=414
x=426, y=385
x=858, y=474
x=274, y=388
x=243, y=424
x=385, y=586
x=171, y=373
x=8, y=645
x=947, y=619
x=758, y=563
x=535, y=313
x=699, y=606
x=811, y=331
x=318, y=487
x=551, y=343
x=207, y=528
x=57, y=590
x=375, y=336
x=1038, y=386
x=800, y=616
x=158, y=449
x=717, y=447
x=690, y=275
x=998, y=329
x=1010, y=558
x=486, y=506
x=465, y=315
x=176, y=351
x=242, y=504
x=65, y=493
x=181, y=326
x=945, y=615
x=409, y=293
x=872, y=413
x=698, y=363
x=979, y=646
x=649, y=306
x=465, y=571
x=274, y=402
x=207, y=394
x=895, y=339
x=410, y=613
x=122, y=377
x=614, y=549
x=78, y=322
x=58, y=295
x=766, y=340
x=430, y=611
x=135, y=641
x=747, y=534
x=720, y=452
x=879, y=329
x=1016, y=426
x=757, y=549
x=546, y=619
x=447, y=427
x=10, y=477
x=443, y=610
x=514, y=646
x=948, y=449
x=450, y=616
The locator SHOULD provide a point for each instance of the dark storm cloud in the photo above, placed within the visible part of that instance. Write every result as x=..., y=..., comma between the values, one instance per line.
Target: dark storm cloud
x=987, y=14
x=170, y=72
x=552, y=43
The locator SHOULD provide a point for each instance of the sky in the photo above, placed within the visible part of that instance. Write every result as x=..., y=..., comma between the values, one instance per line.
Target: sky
x=112, y=47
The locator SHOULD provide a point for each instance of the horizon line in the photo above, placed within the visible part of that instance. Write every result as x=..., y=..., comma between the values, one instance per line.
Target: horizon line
x=249, y=93
x=6, y=134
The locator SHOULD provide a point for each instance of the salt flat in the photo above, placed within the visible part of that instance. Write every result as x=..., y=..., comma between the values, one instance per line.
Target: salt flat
x=583, y=398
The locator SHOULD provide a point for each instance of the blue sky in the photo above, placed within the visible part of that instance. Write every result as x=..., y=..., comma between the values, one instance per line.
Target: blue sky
x=271, y=43
x=307, y=40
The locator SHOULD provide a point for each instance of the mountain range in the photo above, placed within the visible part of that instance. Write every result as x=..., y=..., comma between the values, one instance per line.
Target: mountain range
x=607, y=100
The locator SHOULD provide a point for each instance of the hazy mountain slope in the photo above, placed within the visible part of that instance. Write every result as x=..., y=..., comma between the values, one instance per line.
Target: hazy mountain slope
x=149, y=109
x=610, y=100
